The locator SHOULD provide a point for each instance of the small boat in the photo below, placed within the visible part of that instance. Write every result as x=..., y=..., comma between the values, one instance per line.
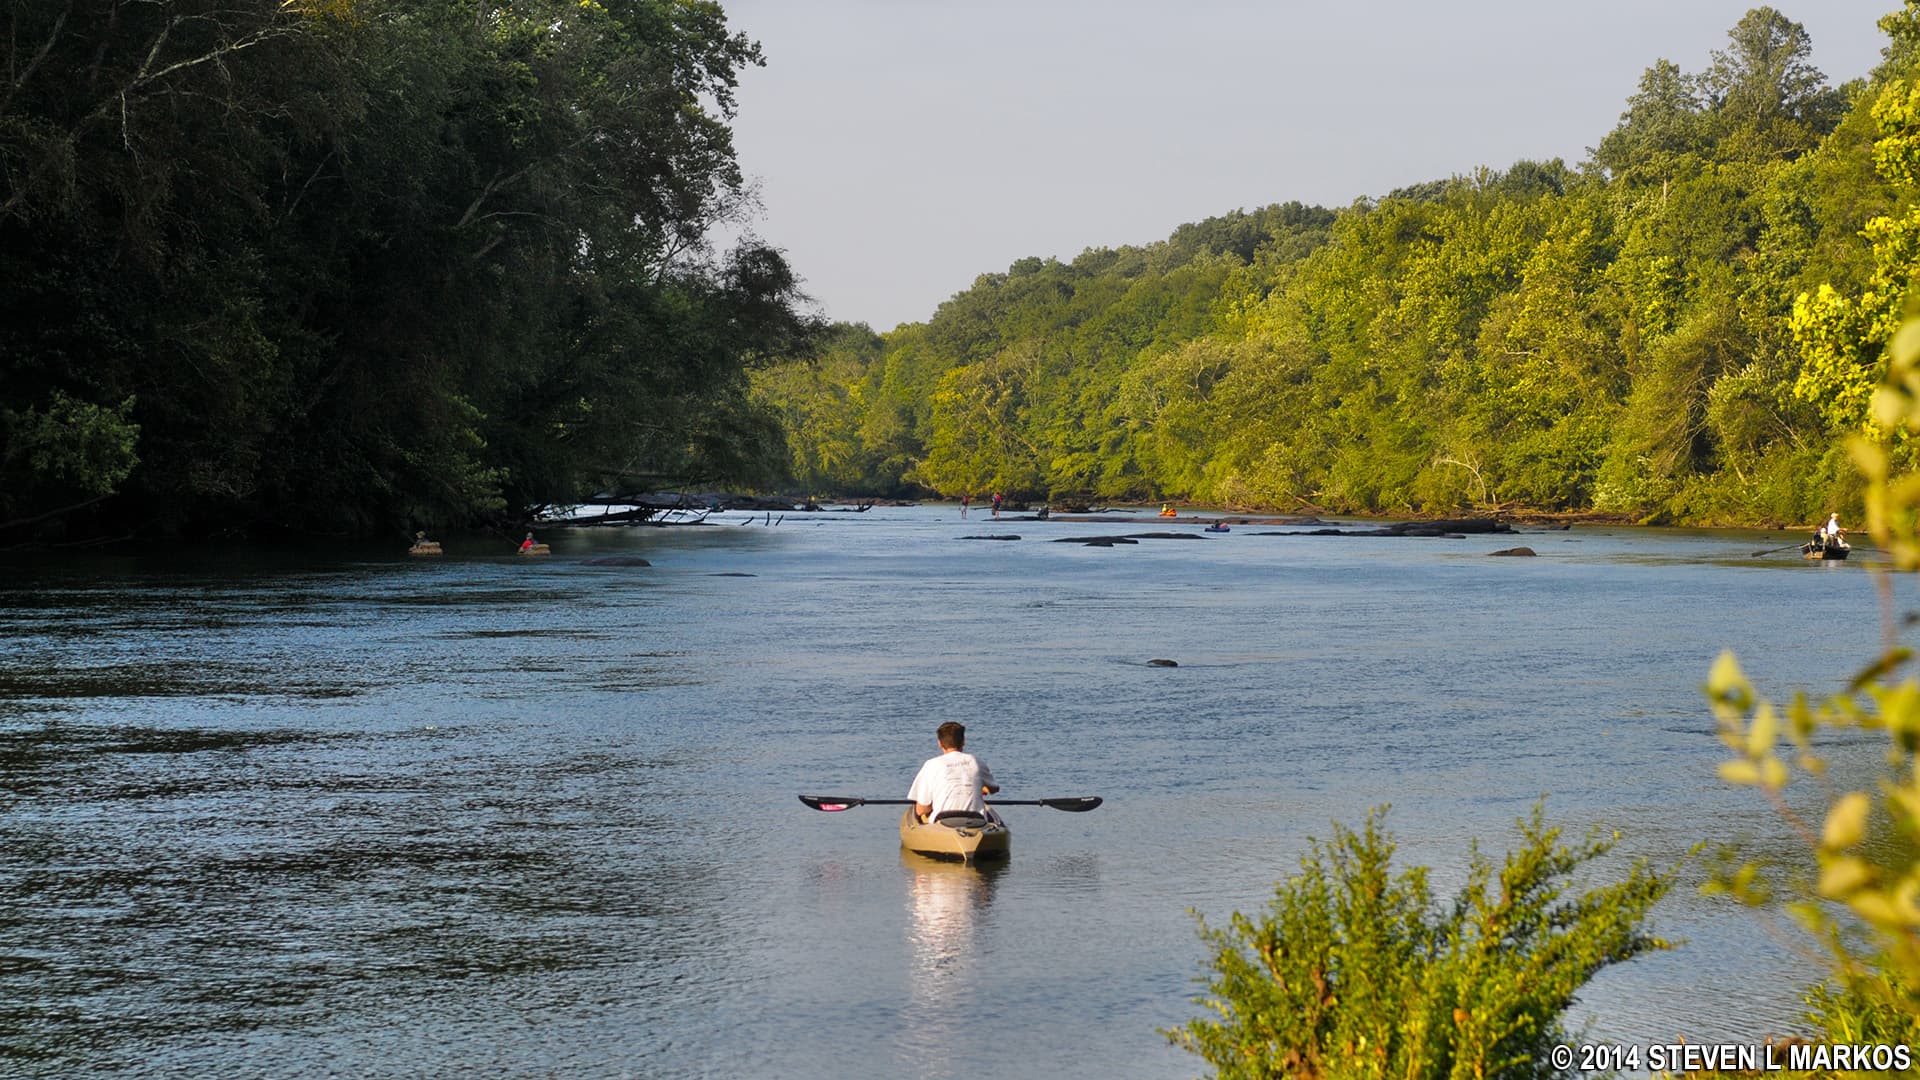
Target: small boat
x=536, y=549
x=967, y=839
x=1825, y=552
x=424, y=547
x=1217, y=527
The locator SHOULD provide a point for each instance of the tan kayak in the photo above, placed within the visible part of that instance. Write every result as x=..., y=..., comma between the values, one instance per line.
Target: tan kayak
x=966, y=839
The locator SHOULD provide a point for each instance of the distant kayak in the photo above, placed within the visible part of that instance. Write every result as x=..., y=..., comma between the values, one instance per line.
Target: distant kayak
x=1217, y=527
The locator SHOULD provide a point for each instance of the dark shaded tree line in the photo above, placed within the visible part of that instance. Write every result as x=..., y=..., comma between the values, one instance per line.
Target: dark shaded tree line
x=351, y=266
x=1642, y=334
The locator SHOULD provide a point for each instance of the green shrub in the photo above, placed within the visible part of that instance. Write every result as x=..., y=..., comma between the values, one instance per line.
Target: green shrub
x=1353, y=972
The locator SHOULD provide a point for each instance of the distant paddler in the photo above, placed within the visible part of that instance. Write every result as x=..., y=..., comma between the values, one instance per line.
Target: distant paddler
x=423, y=546
x=530, y=546
x=1168, y=511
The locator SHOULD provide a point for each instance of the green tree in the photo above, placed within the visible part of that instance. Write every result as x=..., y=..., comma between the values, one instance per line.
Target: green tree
x=1615, y=337
x=1768, y=97
x=1355, y=972
x=1663, y=132
x=1843, y=338
x=79, y=449
x=371, y=263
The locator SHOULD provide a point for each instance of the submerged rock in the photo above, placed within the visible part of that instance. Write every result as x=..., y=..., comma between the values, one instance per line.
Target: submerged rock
x=1002, y=536
x=1514, y=551
x=1162, y=663
x=616, y=560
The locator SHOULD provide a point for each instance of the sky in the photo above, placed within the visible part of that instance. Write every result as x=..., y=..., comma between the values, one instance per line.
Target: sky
x=901, y=148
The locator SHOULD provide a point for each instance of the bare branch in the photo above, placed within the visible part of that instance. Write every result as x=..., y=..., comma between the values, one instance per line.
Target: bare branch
x=68, y=509
x=219, y=54
x=32, y=65
x=302, y=193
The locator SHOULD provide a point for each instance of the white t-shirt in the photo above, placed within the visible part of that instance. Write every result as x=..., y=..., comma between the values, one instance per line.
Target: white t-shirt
x=951, y=781
x=1833, y=526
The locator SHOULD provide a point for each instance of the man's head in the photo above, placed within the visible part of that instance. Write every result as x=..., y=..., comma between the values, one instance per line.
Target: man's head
x=952, y=736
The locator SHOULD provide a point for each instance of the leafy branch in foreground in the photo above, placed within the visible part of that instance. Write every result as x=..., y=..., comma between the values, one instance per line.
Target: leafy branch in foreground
x=1862, y=900
x=1862, y=903
x=1354, y=972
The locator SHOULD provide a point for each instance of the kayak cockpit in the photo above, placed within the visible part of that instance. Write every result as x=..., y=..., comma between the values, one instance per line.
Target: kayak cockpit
x=966, y=838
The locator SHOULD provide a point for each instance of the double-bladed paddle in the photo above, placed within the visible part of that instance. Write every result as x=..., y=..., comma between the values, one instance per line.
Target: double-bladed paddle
x=831, y=803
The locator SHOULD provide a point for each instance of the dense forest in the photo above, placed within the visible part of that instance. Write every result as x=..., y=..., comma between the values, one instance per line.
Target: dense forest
x=362, y=266
x=356, y=266
x=1685, y=327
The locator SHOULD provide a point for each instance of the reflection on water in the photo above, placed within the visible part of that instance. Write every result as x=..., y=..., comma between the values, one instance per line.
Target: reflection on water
x=948, y=905
x=948, y=901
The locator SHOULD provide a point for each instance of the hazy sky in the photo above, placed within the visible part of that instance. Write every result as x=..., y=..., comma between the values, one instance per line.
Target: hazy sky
x=902, y=147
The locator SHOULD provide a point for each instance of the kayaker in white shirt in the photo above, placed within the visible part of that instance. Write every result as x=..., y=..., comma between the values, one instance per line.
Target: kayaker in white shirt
x=956, y=782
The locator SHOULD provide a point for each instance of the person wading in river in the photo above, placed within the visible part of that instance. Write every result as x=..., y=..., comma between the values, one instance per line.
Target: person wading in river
x=955, y=783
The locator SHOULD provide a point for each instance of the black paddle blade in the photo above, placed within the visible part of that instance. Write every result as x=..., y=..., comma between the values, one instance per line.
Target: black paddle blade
x=831, y=803
x=1073, y=806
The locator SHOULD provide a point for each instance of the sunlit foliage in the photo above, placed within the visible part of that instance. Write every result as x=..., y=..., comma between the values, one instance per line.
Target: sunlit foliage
x=1354, y=971
x=1859, y=895
x=1621, y=335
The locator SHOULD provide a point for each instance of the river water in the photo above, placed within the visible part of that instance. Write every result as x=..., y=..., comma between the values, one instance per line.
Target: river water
x=277, y=813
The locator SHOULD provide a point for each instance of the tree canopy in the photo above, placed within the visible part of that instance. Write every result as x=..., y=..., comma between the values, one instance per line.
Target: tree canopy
x=1643, y=333
x=371, y=265
x=361, y=265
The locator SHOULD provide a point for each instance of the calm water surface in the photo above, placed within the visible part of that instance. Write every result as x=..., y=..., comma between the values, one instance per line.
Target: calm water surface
x=276, y=814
